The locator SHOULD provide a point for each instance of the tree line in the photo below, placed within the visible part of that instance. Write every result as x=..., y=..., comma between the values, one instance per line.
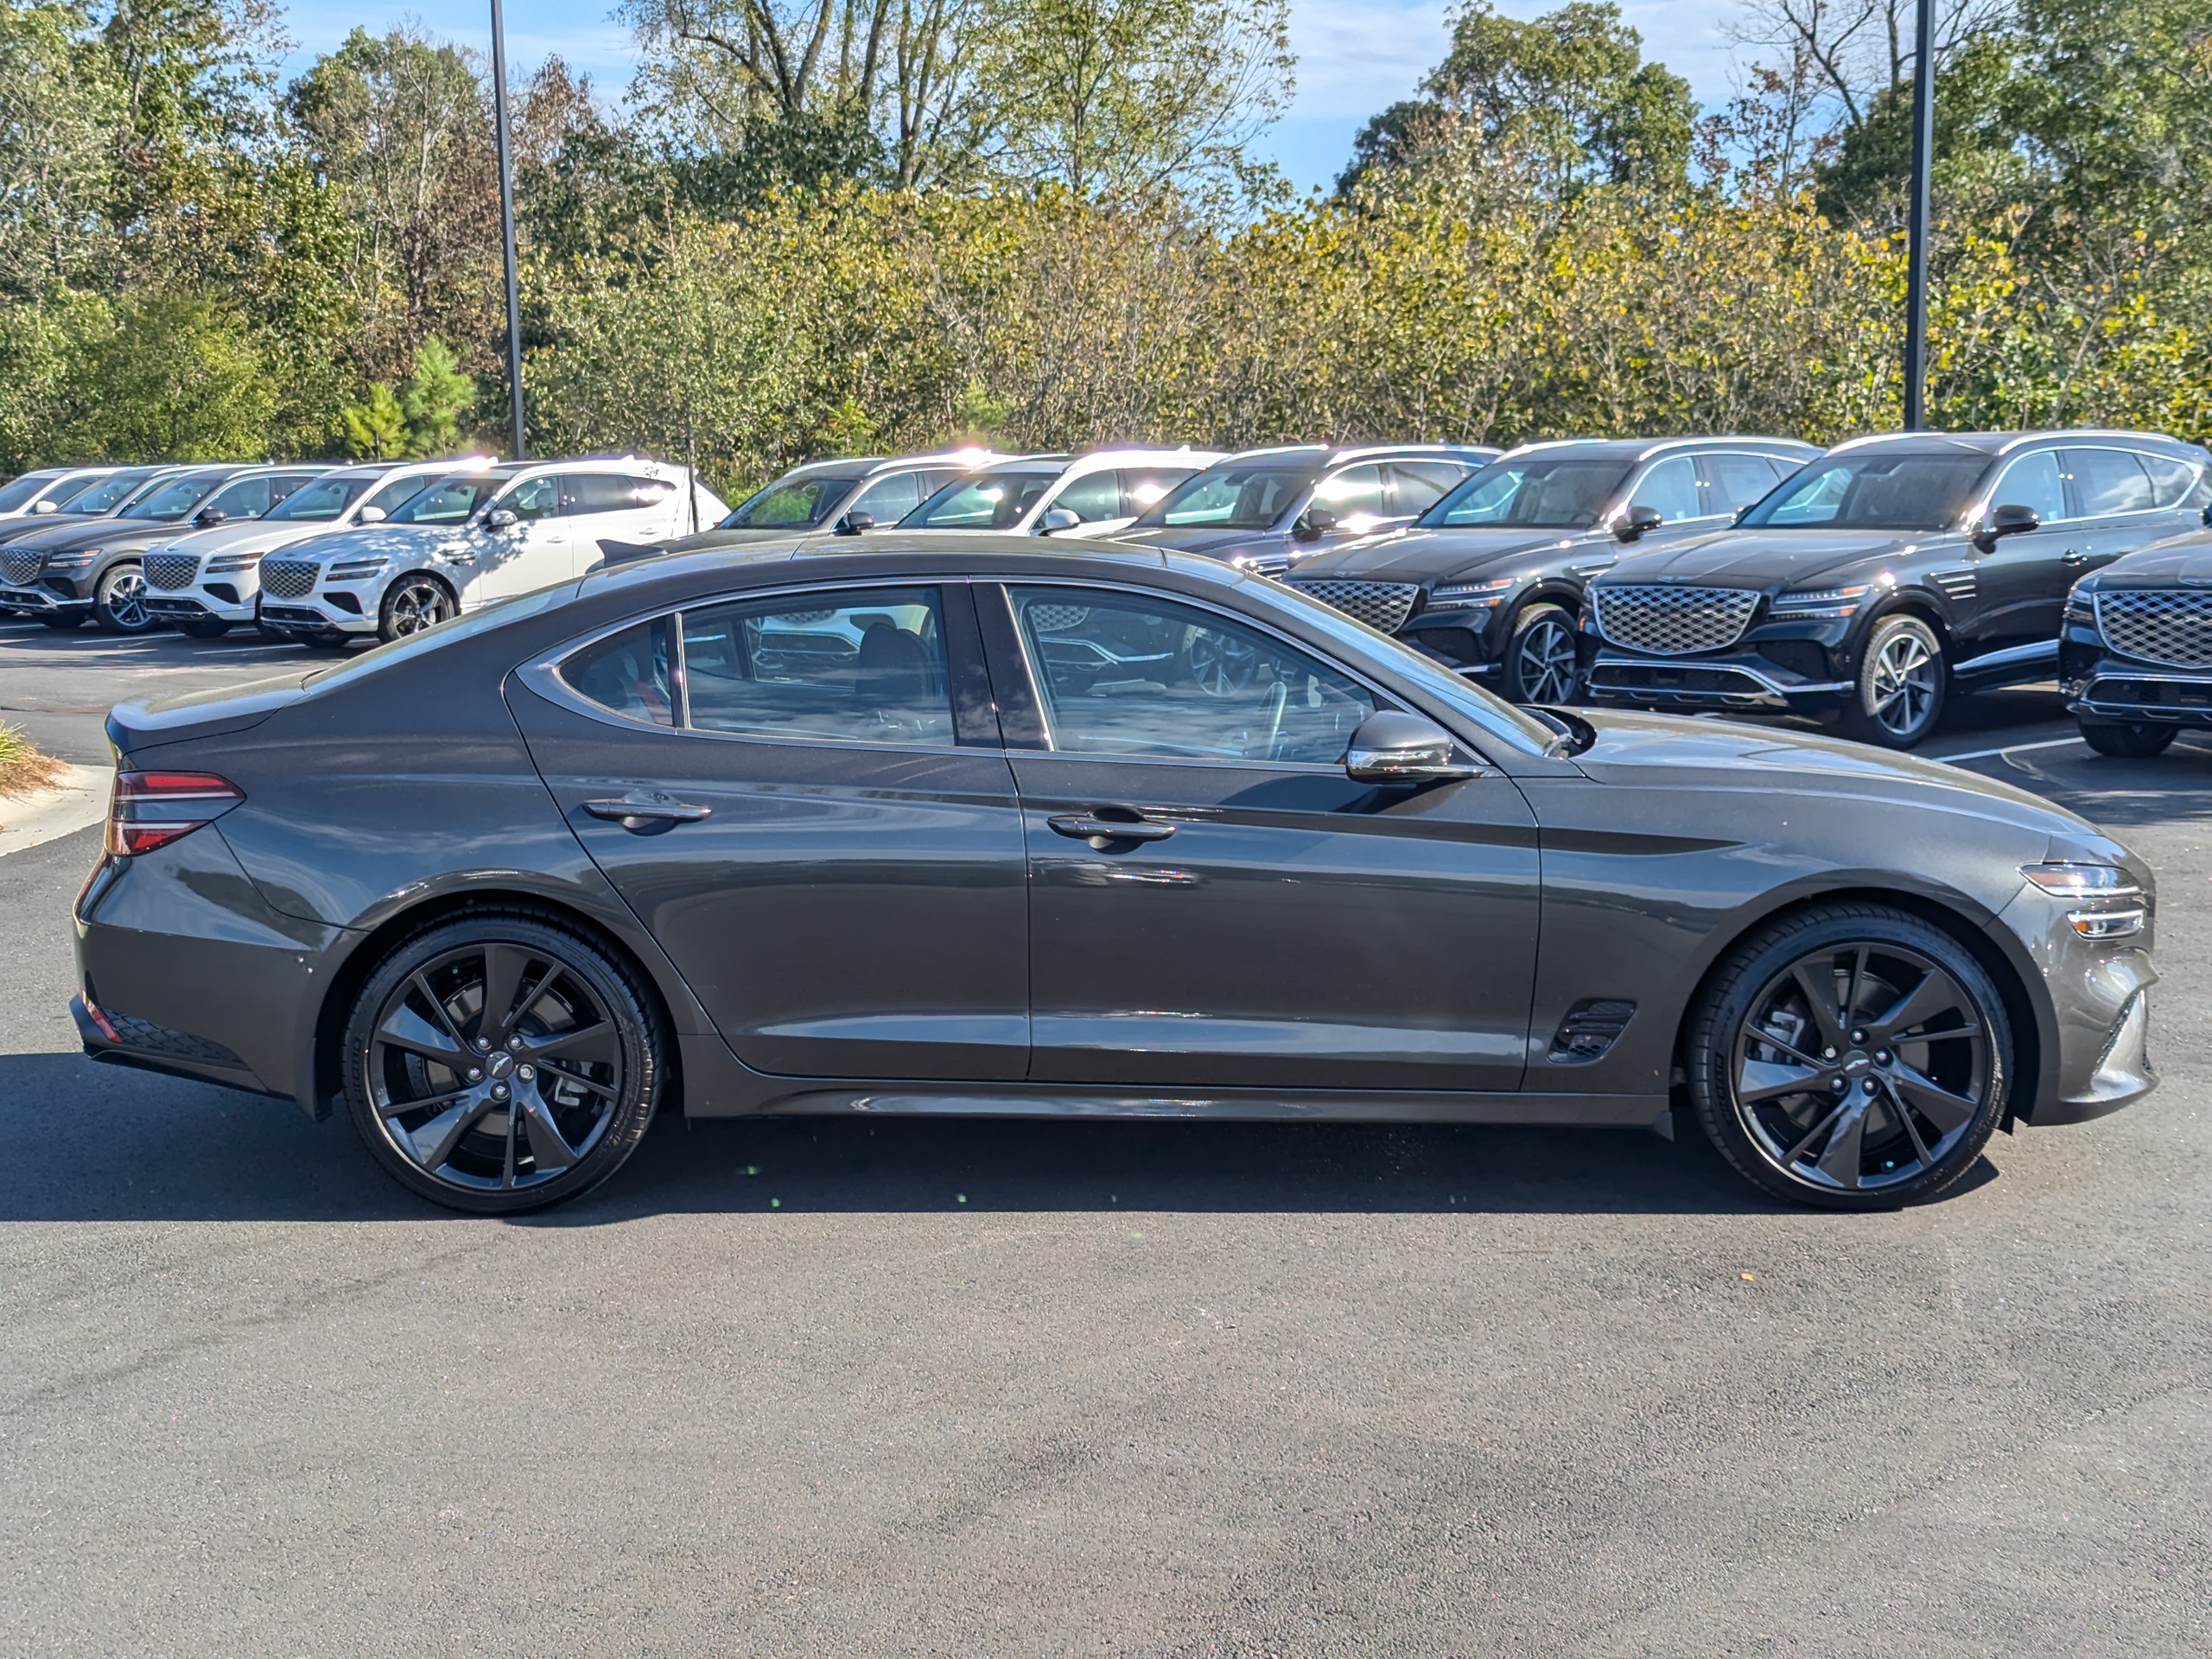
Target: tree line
x=820, y=226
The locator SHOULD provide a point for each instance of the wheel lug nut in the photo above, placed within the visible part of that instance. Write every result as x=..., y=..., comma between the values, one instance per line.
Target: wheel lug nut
x=476, y=1074
x=1828, y=1053
x=1881, y=1057
x=1870, y=1086
x=499, y=1092
x=525, y=1072
x=1858, y=1036
x=483, y=1043
x=514, y=1044
x=1837, y=1084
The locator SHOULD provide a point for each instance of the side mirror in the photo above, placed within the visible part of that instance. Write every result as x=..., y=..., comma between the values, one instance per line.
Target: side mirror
x=853, y=523
x=1392, y=748
x=208, y=518
x=2010, y=519
x=1055, y=520
x=373, y=515
x=2207, y=516
x=1638, y=522
x=500, y=518
x=1314, y=524
x=45, y=506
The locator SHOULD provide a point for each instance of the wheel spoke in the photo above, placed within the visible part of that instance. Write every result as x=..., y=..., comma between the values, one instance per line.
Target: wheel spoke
x=434, y=1144
x=1840, y=1159
x=549, y=1148
x=1934, y=995
x=404, y=1028
x=1764, y=1080
x=1911, y=1124
x=596, y=1043
x=582, y=1081
x=1858, y=984
x=504, y=966
x=1819, y=997
x=1813, y=1134
x=1939, y=1105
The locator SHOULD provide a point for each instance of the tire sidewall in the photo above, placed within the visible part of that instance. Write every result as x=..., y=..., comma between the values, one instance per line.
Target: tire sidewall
x=1860, y=719
x=1726, y=1003
x=645, y=1049
x=2127, y=740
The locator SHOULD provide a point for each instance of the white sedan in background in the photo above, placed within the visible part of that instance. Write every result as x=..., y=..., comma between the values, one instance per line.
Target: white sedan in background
x=1076, y=496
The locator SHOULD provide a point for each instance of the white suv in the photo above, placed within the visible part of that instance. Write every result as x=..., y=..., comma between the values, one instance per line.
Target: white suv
x=1076, y=496
x=473, y=537
x=207, y=581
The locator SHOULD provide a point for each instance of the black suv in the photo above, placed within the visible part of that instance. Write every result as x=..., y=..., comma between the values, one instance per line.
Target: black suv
x=2135, y=661
x=1888, y=573
x=95, y=567
x=1490, y=579
x=1266, y=510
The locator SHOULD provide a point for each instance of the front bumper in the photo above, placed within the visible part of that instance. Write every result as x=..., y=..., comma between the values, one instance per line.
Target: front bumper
x=220, y=600
x=2096, y=1048
x=1738, y=684
x=327, y=611
x=41, y=600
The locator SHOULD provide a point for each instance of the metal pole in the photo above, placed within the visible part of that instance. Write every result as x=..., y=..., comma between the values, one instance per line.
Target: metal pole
x=507, y=224
x=1916, y=282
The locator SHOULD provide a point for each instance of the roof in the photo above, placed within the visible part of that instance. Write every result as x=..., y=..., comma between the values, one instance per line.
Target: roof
x=1998, y=443
x=1642, y=448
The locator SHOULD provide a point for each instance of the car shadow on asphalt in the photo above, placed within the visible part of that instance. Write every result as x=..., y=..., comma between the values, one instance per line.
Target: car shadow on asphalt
x=99, y=1144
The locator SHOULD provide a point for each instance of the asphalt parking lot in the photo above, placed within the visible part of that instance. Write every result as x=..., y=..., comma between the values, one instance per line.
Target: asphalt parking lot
x=1091, y=1387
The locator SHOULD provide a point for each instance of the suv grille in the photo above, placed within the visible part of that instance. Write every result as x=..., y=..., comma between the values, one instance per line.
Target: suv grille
x=288, y=578
x=1383, y=605
x=2158, y=627
x=1674, y=621
x=20, y=568
x=170, y=571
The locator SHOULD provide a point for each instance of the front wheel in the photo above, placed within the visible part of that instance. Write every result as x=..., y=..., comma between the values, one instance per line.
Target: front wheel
x=1899, y=695
x=1850, y=1057
x=2127, y=740
x=414, y=603
x=1540, y=659
x=502, y=1062
x=119, y=605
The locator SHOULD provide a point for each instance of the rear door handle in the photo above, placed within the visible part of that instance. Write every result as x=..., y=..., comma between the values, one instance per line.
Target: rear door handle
x=637, y=811
x=1102, y=833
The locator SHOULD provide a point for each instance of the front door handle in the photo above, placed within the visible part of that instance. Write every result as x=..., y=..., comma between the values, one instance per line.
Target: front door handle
x=2073, y=556
x=1102, y=833
x=638, y=810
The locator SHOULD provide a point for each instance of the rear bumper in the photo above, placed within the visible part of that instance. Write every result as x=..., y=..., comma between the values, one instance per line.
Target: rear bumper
x=1739, y=684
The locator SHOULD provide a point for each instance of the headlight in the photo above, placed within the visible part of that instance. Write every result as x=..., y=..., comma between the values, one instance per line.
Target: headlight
x=71, y=561
x=2079, y=607
x=2082, y=880
x=1465, y=594
x=1821, y=602
x=355, y=570
x=224, y=561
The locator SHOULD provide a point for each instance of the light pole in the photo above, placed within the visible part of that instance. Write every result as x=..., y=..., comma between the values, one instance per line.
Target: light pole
x=1916, y=280
x=507, y=224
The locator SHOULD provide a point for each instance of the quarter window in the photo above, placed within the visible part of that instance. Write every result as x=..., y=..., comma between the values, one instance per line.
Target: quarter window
x=1670, y=490
x=2033, y=481
x=631, y=673
x=1136, y=675
x=2108, y=482
x=852, y=666
x=2171, y=480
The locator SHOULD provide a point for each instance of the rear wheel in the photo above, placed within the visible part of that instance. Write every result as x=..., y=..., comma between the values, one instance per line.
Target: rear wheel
x=2127, y=740
x=414, y=603
x=1898, y=696
x=1539, y=659
x=120, y=605
x=1850, y=1057
x=502, y=1062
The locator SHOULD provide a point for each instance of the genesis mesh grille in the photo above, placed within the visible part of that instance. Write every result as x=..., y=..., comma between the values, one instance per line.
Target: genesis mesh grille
x=20, y=568
x=1383, y=605
x=288, y=578
x=170, y=571
x=2158, y=626
x=1057, y=619
x=1674, y=621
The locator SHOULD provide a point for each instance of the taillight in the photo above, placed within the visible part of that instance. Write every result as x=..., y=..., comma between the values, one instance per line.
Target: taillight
x=152, y=808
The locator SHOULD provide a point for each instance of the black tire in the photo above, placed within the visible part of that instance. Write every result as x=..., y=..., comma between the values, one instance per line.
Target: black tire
x=1890, y=1121
x=62, y=622
x=2128, y=740
x=1891, y=704
x=1539, y=660
x=586, y=1056
x=413, y=602
x=201, y=627
x=119, y=605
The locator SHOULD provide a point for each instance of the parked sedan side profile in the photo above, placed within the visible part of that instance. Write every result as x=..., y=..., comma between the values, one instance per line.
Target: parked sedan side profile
x=956, y=824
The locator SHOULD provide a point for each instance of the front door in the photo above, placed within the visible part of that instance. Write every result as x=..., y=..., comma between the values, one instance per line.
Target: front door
x=830, y=857
x=530, y=553
x=1265, y=921
x=2020, y=581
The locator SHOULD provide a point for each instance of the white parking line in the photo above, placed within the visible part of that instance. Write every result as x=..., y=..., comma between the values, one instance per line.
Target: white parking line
x=2010, y=748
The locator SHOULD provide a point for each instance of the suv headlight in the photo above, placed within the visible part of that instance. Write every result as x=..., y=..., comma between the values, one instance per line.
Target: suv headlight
x=1462, y=595
x=355, y=570
x=2081, y=607
x=226, y=561
x=1821, y=602
x=71, y=561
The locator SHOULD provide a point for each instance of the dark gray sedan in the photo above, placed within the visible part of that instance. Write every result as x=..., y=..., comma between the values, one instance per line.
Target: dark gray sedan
x=937, y=825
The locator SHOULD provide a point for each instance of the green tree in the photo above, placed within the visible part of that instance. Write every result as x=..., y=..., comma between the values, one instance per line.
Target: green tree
x=376, y=428
x=178, y=379
x=433, y=400
x=59, y=109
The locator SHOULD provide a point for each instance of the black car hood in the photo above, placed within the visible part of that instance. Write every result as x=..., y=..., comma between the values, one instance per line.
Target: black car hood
x=1766, y=558
x=1418, y=555
x=2185, y=558
x=102, y=533
x=13, y=530
x=1210, y=539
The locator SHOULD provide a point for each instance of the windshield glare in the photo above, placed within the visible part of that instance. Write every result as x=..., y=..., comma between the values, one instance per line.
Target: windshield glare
x=102, y=493
x=790, y=503
x=449, y=501
x=1253, y=497
x=171, y=502
x=23, y=490
x=321, y=501
x=992, y=501
x=1561, y=494
x=1873, y=491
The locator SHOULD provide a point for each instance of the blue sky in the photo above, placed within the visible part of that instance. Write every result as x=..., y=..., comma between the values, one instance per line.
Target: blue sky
x=1354, y=56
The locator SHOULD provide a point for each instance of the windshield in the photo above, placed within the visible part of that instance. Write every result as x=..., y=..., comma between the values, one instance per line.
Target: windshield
x=1873, y=492
x=172, y=501
x=1253, y=496
x=990, y=501
x=24, y=490
x=1540, y=493
x=321, y=501
x=790, y=502
x=449, y=501
x=104, y=494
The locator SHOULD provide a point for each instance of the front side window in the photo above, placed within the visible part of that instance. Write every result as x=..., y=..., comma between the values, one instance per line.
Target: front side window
x=1876, y=490
x=1138, y=675
x=2108, y=482
x=1093, y=497
x=172, y=501
x=2033, y=481
x=1534, y=490
x=1356, y=493
x=103, y=493
x=1144, y=488
x=389, y=497
x=24, y=490
x=1252, y=497
x=987, y=501
x=889, y=500
x=247, y=498
x=320, y=502
x=534, y=498
x=1670, y=490
x=862, y=667
x=1419, y=485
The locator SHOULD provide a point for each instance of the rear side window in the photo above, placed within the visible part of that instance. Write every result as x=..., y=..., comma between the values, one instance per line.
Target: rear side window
x=2033, y=481
x=1419, y=485
x=2108, y=482
x=1092, y=497
x=863, y=667
x=1670, y=490
x=631, y=673
x=585, y=493
x=1739, y=480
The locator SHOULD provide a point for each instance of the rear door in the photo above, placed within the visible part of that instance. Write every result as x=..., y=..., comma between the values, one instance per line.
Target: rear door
x=825, y=839
x=2116, y=499
x=1269, y=923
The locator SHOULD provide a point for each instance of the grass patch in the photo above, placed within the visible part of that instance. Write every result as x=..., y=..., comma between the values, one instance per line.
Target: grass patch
x=23, y=768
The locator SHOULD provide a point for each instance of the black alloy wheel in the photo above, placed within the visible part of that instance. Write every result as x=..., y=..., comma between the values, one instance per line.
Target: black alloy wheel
x=414, y=603
x=120, y=604
x=1850, y=1057
x=502, y=1062
x=1540, y=658
x=2133, y=739
x=1899, y=695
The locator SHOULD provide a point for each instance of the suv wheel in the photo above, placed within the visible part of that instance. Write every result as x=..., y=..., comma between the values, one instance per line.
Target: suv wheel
x=501, y=1062
x=412, y=604
x=1902, y=678
x=2127, y=740
x=1538, y=658
x=120, y=604
x=1850, y=1057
